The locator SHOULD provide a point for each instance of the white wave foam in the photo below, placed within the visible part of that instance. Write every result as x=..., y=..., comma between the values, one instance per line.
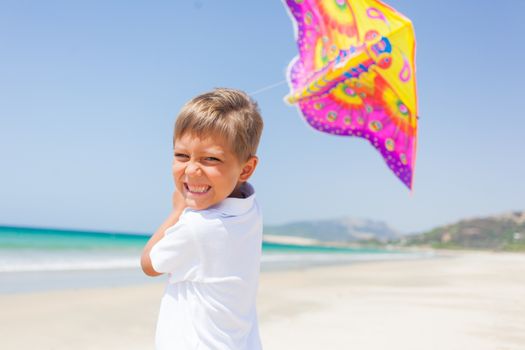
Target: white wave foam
x=318, y=257
x=64, y=265
x=39, y=261
x=34, y=260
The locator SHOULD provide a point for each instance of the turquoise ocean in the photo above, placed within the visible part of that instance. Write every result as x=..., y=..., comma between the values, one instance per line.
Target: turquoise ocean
x=53, y=258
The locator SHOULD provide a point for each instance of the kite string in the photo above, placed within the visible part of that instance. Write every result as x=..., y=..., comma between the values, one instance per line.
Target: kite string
x=269, y=87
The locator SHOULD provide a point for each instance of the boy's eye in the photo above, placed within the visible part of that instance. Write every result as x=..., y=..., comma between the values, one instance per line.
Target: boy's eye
x=212, y=159
x=181, y=156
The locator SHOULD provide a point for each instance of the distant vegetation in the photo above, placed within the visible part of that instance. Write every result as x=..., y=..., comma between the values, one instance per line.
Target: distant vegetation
x=502, y=233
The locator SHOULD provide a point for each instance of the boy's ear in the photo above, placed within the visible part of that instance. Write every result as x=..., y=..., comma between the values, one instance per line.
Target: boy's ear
x=248, y=168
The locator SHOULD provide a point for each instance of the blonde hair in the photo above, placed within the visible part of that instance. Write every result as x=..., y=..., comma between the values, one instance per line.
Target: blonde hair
x=228, y=113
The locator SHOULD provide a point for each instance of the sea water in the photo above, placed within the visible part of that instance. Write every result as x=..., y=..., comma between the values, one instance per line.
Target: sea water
x=40, y=259
x=34, y=249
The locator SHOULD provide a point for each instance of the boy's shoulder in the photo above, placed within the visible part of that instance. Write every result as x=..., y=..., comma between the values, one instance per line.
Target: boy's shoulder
x=229, y=207
x=228, y=210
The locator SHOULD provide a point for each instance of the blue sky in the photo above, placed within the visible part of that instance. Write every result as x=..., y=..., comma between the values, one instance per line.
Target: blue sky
x=89, y=92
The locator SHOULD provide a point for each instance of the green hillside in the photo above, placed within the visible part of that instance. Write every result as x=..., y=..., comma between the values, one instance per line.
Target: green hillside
x=504, y=232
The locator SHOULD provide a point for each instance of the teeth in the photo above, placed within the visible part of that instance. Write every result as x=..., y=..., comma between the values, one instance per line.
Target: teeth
x=198, y=189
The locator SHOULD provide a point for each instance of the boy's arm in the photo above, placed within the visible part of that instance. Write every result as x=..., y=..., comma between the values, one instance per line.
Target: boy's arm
x=145, y=261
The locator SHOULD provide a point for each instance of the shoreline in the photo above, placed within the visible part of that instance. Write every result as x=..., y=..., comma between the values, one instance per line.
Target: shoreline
x=28, y=282
x=470, y=300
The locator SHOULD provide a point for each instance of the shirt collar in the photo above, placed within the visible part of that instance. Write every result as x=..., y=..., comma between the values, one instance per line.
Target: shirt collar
x=237, y=206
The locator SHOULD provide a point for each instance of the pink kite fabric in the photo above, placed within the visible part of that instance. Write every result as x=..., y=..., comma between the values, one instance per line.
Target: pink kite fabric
x=355, y=75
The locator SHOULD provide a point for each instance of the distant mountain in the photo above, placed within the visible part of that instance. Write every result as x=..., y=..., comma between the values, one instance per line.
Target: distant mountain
x=343, y=230
x=498, y=232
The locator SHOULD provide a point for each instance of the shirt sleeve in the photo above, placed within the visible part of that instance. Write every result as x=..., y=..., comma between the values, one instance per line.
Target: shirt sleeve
x=176, y=253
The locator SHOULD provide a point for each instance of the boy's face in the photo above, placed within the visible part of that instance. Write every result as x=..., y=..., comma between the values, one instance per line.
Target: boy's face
x=206, y=171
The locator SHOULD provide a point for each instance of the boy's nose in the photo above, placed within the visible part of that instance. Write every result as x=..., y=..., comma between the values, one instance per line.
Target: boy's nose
x=193, y=169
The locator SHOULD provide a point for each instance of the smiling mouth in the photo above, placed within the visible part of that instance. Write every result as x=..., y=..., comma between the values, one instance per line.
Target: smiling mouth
x=197, y=189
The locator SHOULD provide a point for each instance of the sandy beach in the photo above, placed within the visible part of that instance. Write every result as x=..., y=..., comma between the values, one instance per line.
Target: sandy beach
x=456, y=301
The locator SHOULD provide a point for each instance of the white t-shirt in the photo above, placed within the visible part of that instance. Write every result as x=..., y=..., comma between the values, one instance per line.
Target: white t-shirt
x=212, y=257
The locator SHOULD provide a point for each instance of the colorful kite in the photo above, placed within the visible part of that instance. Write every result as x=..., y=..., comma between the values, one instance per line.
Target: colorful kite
x=355, y=75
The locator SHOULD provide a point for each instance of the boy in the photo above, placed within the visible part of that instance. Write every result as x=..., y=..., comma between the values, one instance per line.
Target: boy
x=210, y=245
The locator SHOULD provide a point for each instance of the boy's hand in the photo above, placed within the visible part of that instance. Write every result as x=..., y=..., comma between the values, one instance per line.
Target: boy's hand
x=178, y=202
